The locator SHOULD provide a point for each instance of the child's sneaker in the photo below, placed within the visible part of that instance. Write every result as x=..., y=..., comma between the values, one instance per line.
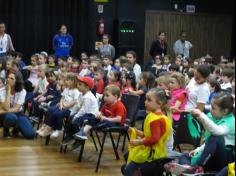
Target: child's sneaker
x=41, y=129
x=56, y=134
x=81, y=135
x=194, y=171
x=47, y=131
x=34, y=119
x=176, y=169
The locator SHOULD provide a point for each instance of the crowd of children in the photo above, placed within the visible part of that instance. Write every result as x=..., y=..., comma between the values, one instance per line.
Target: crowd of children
x=88, y=89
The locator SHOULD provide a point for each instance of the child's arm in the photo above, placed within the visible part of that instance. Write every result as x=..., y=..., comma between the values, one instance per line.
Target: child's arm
x=138, y=92
x=176, y=107
x=209, y=125
x=6, y=104
x=68, y=106
x=116, y=119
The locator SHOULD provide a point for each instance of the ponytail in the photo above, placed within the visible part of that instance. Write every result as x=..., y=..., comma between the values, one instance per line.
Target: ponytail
x=166, y=110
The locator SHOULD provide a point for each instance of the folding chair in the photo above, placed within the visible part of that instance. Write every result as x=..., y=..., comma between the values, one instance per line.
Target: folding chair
x=131, y=104
x=183, y=136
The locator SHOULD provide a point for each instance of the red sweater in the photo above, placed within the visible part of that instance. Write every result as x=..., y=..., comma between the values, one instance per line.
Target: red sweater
x=158, y=129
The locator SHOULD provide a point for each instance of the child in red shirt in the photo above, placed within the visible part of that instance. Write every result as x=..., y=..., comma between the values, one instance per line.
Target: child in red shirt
x=112, y=113
x=98, y=79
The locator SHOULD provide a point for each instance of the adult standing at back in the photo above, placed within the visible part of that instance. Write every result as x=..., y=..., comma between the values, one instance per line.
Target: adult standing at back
x=159, y=47
x=182, y=46
x=62, y=43
x=5, y=42
x=131, y=57
x=106, y=48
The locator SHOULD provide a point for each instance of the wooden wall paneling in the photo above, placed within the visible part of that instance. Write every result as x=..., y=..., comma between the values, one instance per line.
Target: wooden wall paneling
x=208, y=33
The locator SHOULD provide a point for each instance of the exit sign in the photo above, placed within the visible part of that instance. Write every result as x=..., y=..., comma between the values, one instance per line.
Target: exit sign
x=101, y=1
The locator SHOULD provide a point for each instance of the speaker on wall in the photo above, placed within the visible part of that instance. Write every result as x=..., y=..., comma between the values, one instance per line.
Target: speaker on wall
x=126, y=34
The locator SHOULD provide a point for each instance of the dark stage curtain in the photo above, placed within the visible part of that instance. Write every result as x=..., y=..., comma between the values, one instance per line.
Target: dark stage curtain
x=32, y=24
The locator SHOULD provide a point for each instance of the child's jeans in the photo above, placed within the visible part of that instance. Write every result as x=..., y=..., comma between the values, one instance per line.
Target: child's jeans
x=214, y=150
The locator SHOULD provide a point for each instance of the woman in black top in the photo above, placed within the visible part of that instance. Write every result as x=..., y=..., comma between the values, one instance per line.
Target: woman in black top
x=159, y=47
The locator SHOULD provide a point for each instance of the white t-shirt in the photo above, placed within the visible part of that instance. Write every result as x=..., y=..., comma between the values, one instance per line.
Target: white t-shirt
x=84, y=72
x=17, y=99
x=2, y=94
x=137, y=72
x=42, y=85
x=3, y=74
x=197, y=94
x=226, y=86
x=88, y=104
x=69, y=96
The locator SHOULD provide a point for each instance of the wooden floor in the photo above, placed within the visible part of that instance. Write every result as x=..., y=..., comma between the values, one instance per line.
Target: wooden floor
x=19, y=157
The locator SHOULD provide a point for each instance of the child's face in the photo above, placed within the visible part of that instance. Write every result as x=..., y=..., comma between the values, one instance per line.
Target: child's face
x=178, y=61
x=42, y=60
x=106, y=62
x=51, y=79
x=212, y=89
x=83, y=56
x=233, y=83
x=142, y=82
x=69, y=83
x=18, y=58
x=82, y=87
x=41, y=73
x=60, y=61
x=166, y=60
x=117, y=63
x=131, y=58
x=61, y=82
x=98, y=76
x=198, y=77
x=124, y=69
x=151, y=104
x=185, y=63
x=195, y=63
x=63, y=68
x=225, y=79
x=163, y=86
x=15, y=68
x=174, y=84
x=70, y=60
x=215, y=110
x=84, y=64
x=75, y=65
x=9, y=65
x=33, y=61
x=92, y=67
x=158, y=61
x=109, y=98
x=111, y=77
x=51, y=60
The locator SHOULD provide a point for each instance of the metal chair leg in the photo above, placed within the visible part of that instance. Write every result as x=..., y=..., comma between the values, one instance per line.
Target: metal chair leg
x=101, y=151
x=94, y=142
x=123, y=147
x=114, y=146
x=47, y=140
x=81, y=151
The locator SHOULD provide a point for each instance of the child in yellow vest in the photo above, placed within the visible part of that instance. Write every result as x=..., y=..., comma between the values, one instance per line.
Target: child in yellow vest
x=150, y=144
